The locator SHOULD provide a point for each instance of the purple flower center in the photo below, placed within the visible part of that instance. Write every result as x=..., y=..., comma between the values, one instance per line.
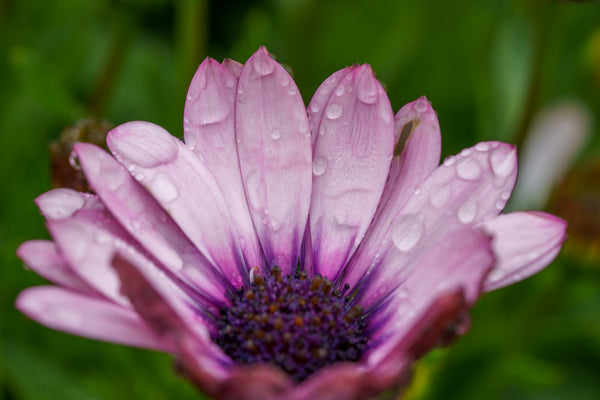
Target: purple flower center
x=296, y=323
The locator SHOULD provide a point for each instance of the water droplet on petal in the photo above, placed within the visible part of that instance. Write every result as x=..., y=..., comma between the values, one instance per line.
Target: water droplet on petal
x=333, y=111
x=420, y=105
x=275, y=225
x=319, y=166
x=263, y=64
x=468, y=169
x=503, y=161
x=163, y=188
x=292, y=90
x=340, y=90
x=366, y=86
x=500, y=205
x=467, y=212
x=254, y=191
x=230, y=83
x=322, y=130
x=103, y=237
x=505, y=195
x=439, y=197
x=74, y=161
x=407, y=232
x=314, y=107
x=482, y=146
x=275, y=134
x=449, y=161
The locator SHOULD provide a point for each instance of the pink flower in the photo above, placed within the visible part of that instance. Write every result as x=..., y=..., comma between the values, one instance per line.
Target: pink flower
x=280, y=256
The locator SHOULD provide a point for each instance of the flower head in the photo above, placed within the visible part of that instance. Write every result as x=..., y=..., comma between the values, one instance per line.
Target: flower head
x=280, y=255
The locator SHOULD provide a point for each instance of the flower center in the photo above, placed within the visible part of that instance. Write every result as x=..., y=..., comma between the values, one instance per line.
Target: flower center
x=296, y=323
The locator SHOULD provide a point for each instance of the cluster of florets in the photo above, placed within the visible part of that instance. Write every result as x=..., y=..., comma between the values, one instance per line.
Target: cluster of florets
x=292, y=321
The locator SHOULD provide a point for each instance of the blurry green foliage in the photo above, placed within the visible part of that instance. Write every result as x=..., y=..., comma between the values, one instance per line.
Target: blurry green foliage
x=485, y=65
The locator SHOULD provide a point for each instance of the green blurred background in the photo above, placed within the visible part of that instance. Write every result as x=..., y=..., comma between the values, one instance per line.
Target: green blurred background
x=487, y=66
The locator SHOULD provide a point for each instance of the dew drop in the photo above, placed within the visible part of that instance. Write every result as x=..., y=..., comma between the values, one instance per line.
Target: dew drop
x=500, y=205
x=420, y=105
x=230, y=83
x=440, y=197
x=263, y=64
x=314, y=107
x=449, y=161
x=114, y=178
x=319, y=166
x=322, y=130
x=274, y=224
x=333, y=111
x=253, y=189
x=292, y=90
x=466, y=152
x=468, y=169
x=163, y=188
x=407, y=232
x=505, y=195
x=366, y=86
x=340, y=90
x=502, y=161
x=467, y=212
x=275, y=134
x=74, y=161
x=482, y=146
x=103, y=237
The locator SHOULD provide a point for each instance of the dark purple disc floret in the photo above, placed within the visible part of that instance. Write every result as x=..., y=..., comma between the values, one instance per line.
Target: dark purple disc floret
x=297, y=323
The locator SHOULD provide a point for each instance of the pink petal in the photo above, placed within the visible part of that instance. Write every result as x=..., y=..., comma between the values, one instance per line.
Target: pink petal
x=167, y=310
x=81, y=315
x=524, y=243
x=233, y=66
x=209, y=130
x=184, y=187
x=62, y=203
x=146, y=221
x=465, y=190
x=275, y=157
x=316, y=108
x=87, y=242
x=416, y=156
x=460, y=261
x=349, y=381
x=445, y=319
x=43, y=257
x=241, y=382
x=350, y=165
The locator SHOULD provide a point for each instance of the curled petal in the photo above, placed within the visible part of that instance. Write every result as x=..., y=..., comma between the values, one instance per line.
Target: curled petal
x=91, y=317
x=525, y=243
x=43, y=257
x=275, y=157
x=146, y=221
x=62, y=203
x=87, y=242
x=445, y=319
x=168, y=311
x=209, y=130
x=184, y=187
x=350, y=164
x=460, y=261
